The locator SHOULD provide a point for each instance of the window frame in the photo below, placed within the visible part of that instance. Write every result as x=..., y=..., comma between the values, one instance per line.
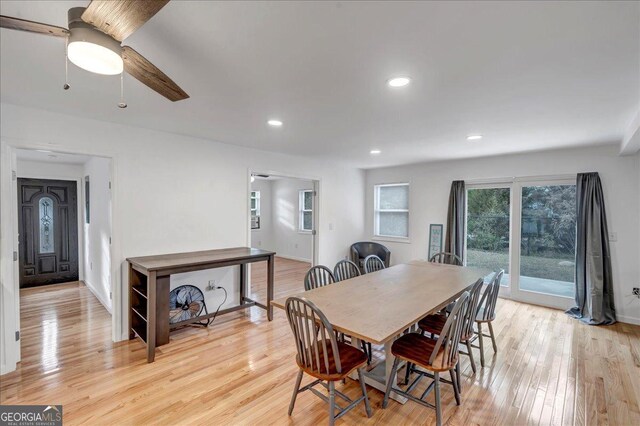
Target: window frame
x=377, y=211
x=254, y=195
x=302, y=210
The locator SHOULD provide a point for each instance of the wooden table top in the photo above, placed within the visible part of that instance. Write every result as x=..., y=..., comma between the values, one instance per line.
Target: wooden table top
x=165, y=261
x=376, y=307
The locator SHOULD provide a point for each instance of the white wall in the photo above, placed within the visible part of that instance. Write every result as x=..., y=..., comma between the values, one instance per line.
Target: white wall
x=173, y=193
x=429, y=192
x=290, y=242
x=97, y=260
x=263, y=237
x=49, y=170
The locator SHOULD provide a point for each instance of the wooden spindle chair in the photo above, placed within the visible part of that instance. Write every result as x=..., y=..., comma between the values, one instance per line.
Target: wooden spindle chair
x=318, y=276
x=321, y=355
x=373, y=263
x=448, y=258
x=487, y=313
x=434, y=324
x=345, y=269
x=434, y=356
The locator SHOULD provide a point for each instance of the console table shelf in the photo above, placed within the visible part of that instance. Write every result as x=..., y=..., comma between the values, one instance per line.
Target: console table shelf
x=149, y=279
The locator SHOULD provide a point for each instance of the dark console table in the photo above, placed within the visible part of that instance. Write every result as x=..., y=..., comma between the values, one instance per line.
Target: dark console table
x=149, y=288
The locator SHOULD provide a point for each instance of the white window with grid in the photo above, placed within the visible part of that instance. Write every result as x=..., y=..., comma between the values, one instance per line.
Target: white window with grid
x=391, y=210
x=255, y=209
x=305, y=221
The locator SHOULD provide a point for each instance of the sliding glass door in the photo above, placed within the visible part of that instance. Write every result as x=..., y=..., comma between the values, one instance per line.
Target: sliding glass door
x=488, y=229
x=547, y=233
x=527, y=228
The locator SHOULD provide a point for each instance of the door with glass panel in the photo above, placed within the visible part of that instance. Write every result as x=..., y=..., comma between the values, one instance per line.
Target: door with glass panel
x=546, y=232
x=48, y=231
x=488, y=234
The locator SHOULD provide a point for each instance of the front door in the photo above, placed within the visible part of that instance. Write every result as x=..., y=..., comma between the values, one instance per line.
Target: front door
x=48, y=231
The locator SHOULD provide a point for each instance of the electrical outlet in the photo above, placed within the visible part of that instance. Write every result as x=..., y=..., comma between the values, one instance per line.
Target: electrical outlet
x=211, y=285
x=636, y=292
x=613, y=237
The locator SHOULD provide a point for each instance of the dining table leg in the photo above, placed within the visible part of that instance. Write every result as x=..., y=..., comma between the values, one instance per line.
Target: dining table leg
x=378, y=375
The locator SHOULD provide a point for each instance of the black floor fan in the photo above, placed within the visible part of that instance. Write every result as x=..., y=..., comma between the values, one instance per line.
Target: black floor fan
x=187, y=302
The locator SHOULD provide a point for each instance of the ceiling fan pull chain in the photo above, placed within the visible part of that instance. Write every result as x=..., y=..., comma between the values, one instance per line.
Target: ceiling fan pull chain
x=66, y=65
x=122, y=103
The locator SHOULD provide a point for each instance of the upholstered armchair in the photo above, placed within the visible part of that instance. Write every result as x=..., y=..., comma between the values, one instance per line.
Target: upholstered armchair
x=365, y=248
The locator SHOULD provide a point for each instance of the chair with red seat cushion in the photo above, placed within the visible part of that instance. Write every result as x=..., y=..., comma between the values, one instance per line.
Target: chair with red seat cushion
x=434, y=324
x=322, y=356
x=434, y=356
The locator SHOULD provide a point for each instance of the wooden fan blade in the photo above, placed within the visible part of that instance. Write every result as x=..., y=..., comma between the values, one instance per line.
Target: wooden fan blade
x=32, y=27
x=120, y=18
x=147, y=73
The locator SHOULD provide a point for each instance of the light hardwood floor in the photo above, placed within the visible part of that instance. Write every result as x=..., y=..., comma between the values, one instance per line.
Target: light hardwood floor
x=549, y=369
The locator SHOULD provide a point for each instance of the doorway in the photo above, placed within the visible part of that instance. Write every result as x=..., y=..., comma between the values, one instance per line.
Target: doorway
x=62, y=208
x=528, y=228
x=283, y=218
x=47, y=232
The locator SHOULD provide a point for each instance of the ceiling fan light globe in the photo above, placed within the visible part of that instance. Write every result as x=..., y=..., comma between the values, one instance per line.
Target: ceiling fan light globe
x=95, y=52
x=95, y=58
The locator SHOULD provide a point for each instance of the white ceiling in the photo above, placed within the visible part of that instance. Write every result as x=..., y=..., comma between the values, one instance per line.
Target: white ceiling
x=528, y=76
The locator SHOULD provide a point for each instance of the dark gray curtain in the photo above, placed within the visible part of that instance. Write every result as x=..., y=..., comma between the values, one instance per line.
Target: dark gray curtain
x=594, y=284
x=454, y=241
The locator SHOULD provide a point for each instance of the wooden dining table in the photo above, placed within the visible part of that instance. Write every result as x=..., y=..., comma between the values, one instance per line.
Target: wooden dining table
x=378, y=307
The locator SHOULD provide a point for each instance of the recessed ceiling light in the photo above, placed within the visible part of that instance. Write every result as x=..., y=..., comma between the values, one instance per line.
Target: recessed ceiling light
x=474, y=137
x=43, y=150
x=399, y=81
x=274, y=123
x=375, y=151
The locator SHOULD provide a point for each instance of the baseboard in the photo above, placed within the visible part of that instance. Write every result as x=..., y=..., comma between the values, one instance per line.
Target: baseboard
x=98, y=296
x=299, y=259
x=4, y=369
x=628, y=320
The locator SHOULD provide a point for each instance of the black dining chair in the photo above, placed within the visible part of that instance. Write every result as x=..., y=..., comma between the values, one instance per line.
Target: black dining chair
x=487, y=313
x=345, y=269
x=373, y=263
x=447, y=258
x=318, y=276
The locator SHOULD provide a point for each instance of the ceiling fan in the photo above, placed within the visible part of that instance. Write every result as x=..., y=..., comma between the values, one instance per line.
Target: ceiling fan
x=94, y=41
